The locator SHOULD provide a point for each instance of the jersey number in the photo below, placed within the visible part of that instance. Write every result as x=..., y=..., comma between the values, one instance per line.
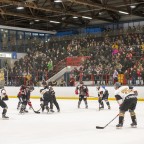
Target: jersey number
x=126, y=91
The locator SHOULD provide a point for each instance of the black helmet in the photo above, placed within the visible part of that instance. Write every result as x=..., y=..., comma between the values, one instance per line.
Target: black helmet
x=41, y=90
x=81, y=82
x=31, y=88
x=44, y=83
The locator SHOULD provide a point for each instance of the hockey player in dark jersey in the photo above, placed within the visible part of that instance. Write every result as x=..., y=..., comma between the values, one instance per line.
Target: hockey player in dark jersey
x=54, y=101
x=103, y=95
x=82, y=90
x=126, y=97
x=45, y=99
x=3, y=97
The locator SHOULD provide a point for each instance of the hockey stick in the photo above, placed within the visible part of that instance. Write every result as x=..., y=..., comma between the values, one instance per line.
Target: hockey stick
x=98, y=127
x=35, y=111
x=99, y=106
x=39, y=110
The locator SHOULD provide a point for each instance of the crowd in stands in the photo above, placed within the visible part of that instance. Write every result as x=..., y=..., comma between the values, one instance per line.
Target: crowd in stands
x=110, y=55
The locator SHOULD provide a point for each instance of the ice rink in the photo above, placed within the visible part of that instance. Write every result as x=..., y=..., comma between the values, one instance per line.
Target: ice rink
x=70, y=126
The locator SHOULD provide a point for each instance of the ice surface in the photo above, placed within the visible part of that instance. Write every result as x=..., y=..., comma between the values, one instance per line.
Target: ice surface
x=70, y=126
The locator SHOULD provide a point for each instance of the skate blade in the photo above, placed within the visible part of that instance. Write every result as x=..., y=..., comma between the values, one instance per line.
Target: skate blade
x=118, y=127
x=133, y=126
x=5, y=118
x=21, y=113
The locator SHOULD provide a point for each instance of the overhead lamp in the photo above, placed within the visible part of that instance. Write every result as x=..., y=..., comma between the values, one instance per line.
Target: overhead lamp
x=58, y=1
x=54, y=22
x=20, y=8
x=86, y=17
x=132, y=6
x=37, y=20
x=123, y=12
x=75, y=17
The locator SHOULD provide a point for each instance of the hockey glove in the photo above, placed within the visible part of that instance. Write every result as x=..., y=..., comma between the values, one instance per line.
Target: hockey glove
x=76, y=92
x=4, y=98
x=29, y=103
x=87, y=94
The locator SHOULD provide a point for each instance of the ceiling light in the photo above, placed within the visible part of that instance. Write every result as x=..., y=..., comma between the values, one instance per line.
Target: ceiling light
x=54, y=22
x=75, y=17
x=37, y=20
x=20, y=8
x=132, y=6
x=86, y=17
x=123, y=12
x=57, y=1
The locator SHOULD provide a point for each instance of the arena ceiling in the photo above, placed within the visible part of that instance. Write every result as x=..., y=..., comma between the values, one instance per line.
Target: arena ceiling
x=52, y=15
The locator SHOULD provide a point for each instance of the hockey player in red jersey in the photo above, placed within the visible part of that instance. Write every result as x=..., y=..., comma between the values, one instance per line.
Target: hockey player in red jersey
x=126, y=97
x=3, y=97
x=82, y=90
x=22, y=91
x=24, y=98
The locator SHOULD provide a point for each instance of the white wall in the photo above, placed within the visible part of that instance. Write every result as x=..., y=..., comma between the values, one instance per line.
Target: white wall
x=69, y=91
x=21, y=55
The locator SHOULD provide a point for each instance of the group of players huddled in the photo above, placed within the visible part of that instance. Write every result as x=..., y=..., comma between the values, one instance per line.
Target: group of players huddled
x=47, y=98
x=126, y=96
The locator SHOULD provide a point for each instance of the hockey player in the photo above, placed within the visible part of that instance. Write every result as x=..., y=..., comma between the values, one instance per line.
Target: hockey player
x=45, y=99
x=3, y=98
x=82, y=90
x=54, y=101
x=24, y=98
x=103, y=95
x=126, y=97
x=29, y=89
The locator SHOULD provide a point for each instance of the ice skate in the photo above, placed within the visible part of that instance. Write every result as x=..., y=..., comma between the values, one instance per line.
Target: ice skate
x=58, y=110
x=118, y=126
x=109, y=107
x=101, y=107
x=52, y=111
x=134, y=125
x=26, y=111
x=18, y=107
x=78, y=106
x=4, y=117
x=47, y=109
x=86, y=107
x=21, y=112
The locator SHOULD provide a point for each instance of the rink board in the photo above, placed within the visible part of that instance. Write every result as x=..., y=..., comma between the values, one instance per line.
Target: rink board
x=69, y=92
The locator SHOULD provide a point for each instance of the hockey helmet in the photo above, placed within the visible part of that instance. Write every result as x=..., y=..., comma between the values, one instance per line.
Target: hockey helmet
x=117, y=85
x=81, y=82
x=23, y=86
x=31, y=88
x=44, y=83
x=98, y=87
x=41, y=90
